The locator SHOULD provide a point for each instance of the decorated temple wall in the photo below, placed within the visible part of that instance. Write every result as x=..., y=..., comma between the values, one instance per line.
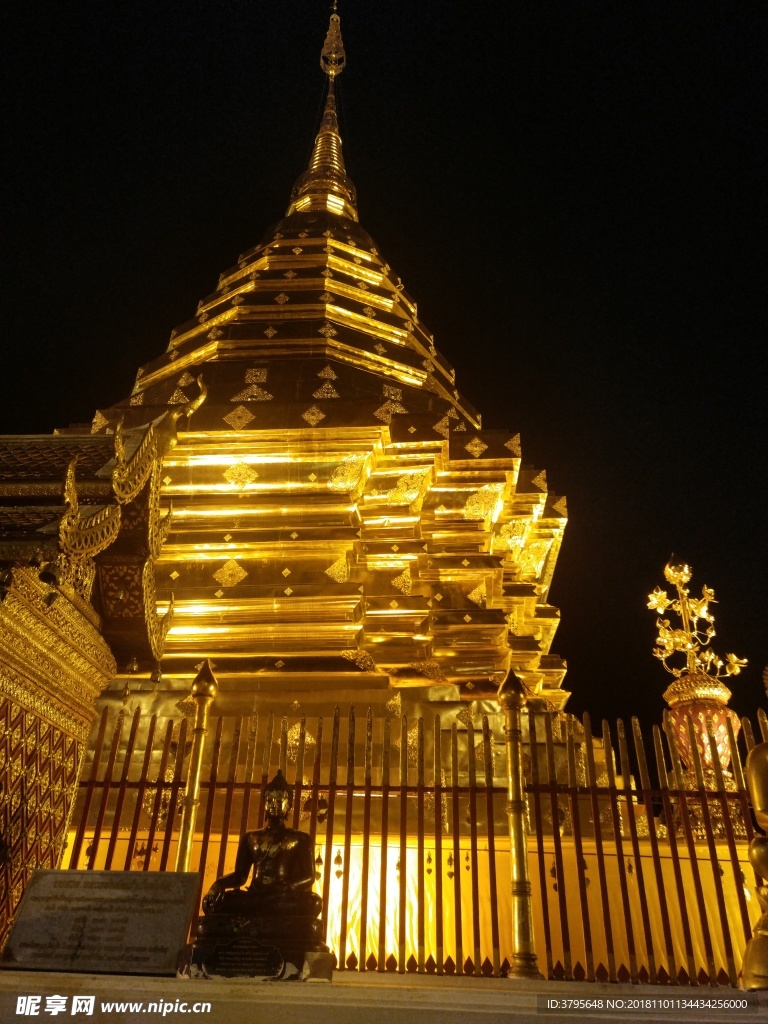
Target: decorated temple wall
x=53, y=663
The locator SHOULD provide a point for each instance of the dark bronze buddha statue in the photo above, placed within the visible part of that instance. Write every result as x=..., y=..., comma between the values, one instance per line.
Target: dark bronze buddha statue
x=278, y=911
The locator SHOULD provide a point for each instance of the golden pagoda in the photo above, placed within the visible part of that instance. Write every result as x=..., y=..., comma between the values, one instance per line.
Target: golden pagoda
x=296, y=490
x=340, y=523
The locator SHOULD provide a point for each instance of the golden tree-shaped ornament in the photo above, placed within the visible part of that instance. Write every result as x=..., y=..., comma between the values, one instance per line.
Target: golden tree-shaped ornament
x=698, y=692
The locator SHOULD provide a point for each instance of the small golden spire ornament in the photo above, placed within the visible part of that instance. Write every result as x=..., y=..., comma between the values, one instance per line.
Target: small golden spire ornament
x=333, y=59
x=698, y=698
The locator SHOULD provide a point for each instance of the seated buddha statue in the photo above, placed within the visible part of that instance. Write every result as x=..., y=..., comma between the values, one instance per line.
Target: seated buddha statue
x=278, y=907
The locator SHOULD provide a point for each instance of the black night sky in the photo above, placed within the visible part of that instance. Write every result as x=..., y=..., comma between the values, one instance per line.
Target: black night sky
x=574, y=193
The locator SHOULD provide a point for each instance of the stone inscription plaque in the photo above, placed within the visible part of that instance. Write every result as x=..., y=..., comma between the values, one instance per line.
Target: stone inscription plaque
x=119, y=922
x=244, y=957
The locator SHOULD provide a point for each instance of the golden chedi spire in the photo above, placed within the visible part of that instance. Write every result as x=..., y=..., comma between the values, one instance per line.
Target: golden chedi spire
x=325, y=185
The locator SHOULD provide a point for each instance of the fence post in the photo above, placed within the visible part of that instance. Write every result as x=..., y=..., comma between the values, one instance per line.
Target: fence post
x=523, y=963
x=204, y=690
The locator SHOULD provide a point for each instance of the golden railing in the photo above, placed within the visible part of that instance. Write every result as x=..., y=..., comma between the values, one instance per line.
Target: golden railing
x=643, y=877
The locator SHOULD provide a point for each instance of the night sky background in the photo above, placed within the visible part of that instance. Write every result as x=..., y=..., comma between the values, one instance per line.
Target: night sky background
x=573, y=192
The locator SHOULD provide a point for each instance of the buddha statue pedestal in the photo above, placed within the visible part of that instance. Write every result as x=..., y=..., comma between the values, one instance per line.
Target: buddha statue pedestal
x=272, y=929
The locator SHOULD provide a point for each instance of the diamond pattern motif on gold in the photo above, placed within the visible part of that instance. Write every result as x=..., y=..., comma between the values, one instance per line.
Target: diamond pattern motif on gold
x=253, y=393
x=326, y=391
x=290, y=274
x=240, y=475
x=467, y=618
x=313, y=415
x=327, y=373
x=270, y=332
x=297, y=249
x=393, y=604
x=475, y=447
x=339, y=571
x=442, y=427
x=513, y=445
x=282, y=298
x=256, y=375
x=325, y=297
x=313, y=477
x=218, y=593
x=286, y=572
x=239, y=417
x=230, y=574
x=380, y=349
x=174, y=575
x=369, y=311
x=327, y=331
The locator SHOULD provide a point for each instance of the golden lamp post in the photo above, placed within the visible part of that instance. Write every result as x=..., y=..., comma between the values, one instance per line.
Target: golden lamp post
x=204, y=690
x=511, y=697
x=698, y=693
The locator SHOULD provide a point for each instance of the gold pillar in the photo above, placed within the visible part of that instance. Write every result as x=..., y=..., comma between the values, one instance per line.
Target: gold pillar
x=204, y=690
x=754, y=968
x=523, y=963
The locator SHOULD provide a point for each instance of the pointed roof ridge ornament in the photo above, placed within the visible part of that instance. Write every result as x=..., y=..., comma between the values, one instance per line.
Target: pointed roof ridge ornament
x=325, y=185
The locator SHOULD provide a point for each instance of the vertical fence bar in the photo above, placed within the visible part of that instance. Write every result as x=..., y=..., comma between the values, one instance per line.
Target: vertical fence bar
x=538, y=824
x=619, y=845
x=456, y=850
x=106, y=785
x=382, y=957
x=208, y=818
x=159, y=793
x=122, y=789
x=709, y=832
x=141, y=792
x=730, y=838
x=741, y=789
x=250, y=766
x=315, y=797
x=629, y=793
x=645, y=784
x=89, y=788
x=366, y=851
x=283, y=763
x=332, y=771
x=687, y=828
x=298, y=780
x=559, y=864
x=266, y=761
x=437, y=781
x=592, y=782
x=420, y=920
x=669, y=820
x=491, y=835
x=578, y=850
x=474, y=877
x=349, y=797
x=403, y=858
x=173, y=796
x=234, y=755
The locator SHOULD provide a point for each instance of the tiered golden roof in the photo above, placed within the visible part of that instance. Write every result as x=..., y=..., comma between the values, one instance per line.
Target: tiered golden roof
x=341, y=520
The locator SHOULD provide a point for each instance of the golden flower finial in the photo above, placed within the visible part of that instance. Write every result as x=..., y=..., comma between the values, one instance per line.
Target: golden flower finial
x=690, y=640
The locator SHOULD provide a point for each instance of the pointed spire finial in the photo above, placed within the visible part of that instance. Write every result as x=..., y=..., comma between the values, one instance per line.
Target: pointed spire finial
x=325, y=185
x=333, y=59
